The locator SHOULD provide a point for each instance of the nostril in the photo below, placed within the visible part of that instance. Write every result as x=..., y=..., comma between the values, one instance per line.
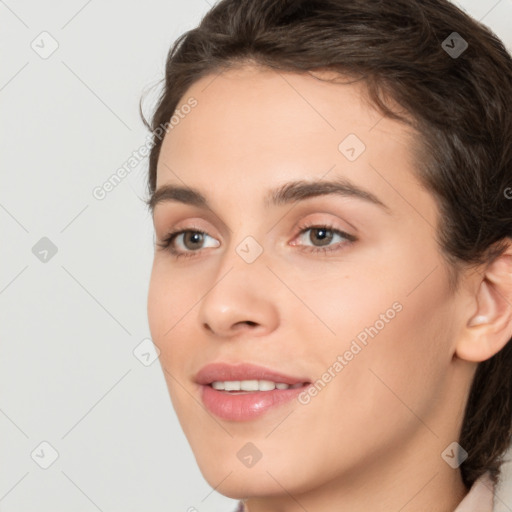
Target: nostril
x=246, y=322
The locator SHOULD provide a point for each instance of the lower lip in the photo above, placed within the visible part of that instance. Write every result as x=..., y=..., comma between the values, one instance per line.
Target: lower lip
x=245, y=406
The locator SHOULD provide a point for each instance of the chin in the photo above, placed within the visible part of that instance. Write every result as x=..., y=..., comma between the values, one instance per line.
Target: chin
x=263, y=480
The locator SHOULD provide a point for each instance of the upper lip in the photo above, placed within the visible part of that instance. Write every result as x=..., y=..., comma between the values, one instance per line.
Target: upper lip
x=242, y=371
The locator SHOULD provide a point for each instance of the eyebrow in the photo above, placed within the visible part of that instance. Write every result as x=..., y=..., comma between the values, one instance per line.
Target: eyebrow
x=284, y=194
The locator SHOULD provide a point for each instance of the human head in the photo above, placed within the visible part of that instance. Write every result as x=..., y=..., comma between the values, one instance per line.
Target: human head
x=457, y=107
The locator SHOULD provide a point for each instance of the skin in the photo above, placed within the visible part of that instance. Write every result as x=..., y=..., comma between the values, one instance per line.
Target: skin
x=372, y=438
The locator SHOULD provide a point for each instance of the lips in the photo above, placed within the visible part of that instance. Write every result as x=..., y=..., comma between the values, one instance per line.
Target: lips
x=243, y=371
x=237, y=406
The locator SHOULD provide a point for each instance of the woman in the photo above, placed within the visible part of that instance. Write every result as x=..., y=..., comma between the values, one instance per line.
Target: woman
x=330, y=183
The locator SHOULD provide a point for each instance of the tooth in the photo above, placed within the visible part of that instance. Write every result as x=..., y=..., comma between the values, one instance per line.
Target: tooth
x=232, y=385
x=249, y=385
x=252, y=385
x=266, y=385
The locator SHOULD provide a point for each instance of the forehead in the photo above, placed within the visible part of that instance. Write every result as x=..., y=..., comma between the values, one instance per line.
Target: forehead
x=252, y=111
x=263, y=127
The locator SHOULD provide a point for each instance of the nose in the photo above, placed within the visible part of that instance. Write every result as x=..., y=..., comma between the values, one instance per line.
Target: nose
x=242, y=300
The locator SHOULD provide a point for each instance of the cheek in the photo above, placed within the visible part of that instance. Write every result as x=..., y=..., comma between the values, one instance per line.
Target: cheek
x=156, y=305
x=171, y=306
x=397, y=358
x=393, y=320
x=164, y=311
x=165, y=307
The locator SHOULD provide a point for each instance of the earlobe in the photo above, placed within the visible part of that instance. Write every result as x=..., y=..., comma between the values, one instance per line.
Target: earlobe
x=489, y=328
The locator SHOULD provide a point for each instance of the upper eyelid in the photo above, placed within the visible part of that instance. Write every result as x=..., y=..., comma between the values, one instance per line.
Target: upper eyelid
x=307, y=203
x=194, y=225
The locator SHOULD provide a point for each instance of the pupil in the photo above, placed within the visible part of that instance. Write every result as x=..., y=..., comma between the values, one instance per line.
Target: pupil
x=197, y=236
x=323, y=237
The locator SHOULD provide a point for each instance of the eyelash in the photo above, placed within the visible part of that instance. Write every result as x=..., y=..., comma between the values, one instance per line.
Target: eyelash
x=166, y=243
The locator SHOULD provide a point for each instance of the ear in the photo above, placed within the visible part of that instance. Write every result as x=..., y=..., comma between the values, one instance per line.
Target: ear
x=489, y=327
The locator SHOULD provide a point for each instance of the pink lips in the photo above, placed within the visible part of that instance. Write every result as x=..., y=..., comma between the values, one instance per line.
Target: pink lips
x=244, y=406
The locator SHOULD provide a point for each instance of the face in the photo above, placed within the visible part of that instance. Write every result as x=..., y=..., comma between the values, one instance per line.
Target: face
x=339, y=286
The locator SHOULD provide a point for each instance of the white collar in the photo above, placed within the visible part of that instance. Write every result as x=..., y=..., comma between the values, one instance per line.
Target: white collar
x=480, y=497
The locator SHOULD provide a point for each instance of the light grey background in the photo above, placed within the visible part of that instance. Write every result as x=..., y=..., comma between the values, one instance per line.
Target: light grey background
x=69, y=325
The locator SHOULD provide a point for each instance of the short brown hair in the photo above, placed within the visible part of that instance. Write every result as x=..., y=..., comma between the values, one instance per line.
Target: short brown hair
x=458, y=104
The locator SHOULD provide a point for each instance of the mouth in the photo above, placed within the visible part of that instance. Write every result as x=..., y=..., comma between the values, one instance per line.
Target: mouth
x=245, y=392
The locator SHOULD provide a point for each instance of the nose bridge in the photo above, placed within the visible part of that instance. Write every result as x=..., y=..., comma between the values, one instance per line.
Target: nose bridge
x=247, y=238
x=242, y=288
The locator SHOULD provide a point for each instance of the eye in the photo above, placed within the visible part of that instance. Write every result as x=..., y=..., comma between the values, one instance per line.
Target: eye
x=192, y=240
x=324, y=234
